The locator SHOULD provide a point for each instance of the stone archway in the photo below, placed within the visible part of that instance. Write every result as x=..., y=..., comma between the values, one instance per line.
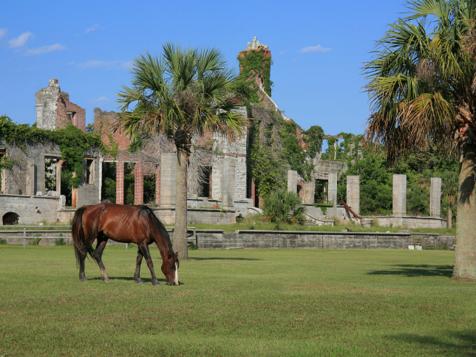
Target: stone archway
x=10, y=218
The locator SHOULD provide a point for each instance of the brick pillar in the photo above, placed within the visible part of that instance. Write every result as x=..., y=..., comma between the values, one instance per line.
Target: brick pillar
x=120, y=182
x=435, y=197
x=399, y=195
x=253, y=192
x=157, y=185
x=138, y=184
x=353, y=193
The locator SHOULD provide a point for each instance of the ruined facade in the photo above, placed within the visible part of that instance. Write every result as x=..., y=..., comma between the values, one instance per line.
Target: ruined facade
x=54, y=109
x=220, y=185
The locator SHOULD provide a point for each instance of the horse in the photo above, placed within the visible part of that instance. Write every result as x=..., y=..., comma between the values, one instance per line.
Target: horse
x=126, y=224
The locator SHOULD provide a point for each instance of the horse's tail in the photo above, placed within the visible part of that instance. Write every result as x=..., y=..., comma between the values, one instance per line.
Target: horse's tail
x=81, y=245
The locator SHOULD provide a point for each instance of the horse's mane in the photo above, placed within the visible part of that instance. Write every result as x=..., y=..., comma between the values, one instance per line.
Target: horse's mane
x=157, y=224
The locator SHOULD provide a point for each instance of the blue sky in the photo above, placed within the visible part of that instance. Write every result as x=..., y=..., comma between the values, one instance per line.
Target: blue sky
x=318, y=49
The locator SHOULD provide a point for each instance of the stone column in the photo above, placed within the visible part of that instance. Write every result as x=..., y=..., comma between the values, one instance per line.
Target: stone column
x=308, y=190
x=332, y=188
x=168, y=171
x=229, y=168
x=435, y=197
x=120, y=182
x=138, y=183
x=30, y=178
x=59, y=167
x=3, y=181
x=292, y=181
x=217, y=178
x=399, y=195
x=157, y=185
x=100, y=163
x=353, y=193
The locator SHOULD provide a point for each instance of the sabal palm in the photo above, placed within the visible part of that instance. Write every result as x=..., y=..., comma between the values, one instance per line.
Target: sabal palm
x=181, y=94
x=423, y=91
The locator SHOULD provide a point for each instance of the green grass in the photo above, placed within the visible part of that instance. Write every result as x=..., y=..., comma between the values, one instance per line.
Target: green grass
x=238, y=303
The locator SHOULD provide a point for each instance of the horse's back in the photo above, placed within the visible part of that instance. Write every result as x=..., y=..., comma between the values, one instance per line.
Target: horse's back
x=123, y=223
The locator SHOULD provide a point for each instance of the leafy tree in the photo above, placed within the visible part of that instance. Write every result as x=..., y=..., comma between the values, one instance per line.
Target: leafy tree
x=313, y=138
x=423, y=88
x=181, y=94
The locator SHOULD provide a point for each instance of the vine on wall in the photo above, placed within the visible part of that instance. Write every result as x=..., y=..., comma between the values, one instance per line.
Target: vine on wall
x=257, y=63
x=73, y=142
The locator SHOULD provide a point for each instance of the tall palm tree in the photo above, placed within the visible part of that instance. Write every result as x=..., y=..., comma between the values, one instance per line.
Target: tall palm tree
x=181, y=94
x=423, y=90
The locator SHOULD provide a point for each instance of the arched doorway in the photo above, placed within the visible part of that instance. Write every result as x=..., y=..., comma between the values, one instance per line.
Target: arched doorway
x=10, y=218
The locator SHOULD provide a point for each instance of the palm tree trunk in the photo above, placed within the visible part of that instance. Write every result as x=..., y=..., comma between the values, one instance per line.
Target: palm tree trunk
x=465, y=254
x=180, y=230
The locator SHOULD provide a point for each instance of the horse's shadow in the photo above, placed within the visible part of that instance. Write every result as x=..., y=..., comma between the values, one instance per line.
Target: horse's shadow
x=412, y=270
x=126, y=278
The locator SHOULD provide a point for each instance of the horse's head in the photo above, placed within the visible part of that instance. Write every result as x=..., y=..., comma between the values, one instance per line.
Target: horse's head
x=170, y=268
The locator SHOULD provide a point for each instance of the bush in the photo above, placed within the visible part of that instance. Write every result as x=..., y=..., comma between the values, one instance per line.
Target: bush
x=283, y=207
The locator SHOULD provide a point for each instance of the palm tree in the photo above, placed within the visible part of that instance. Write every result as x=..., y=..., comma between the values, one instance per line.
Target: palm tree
x=423, y=90
x=182, y=94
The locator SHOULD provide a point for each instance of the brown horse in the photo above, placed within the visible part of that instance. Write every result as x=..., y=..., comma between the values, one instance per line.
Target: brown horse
x=126, y=224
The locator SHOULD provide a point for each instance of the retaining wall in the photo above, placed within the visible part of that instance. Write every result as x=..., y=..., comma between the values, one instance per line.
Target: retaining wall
x=268, y=239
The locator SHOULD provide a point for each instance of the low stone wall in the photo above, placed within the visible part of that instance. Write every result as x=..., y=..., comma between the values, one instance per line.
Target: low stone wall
x=409, y=222
x=326, y=240
x=263, y=239
x=30, y=209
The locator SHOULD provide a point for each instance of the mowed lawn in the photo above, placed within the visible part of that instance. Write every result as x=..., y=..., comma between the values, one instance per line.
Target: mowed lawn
x=286, y=302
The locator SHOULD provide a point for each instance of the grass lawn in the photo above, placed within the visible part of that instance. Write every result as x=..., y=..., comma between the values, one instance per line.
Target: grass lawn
x=238, y=303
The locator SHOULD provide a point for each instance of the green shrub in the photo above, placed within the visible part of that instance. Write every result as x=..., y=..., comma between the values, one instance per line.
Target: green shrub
x=284, y=207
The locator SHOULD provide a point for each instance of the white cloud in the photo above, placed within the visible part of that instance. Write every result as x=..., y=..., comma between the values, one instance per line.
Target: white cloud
x=45, y=49
x=91, y=64
x=21, y=40
x=101, y=99
x=3, y=32
x=92, y=28
x=315, y=49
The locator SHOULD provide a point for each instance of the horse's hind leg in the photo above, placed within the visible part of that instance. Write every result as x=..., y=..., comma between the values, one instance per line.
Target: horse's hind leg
x=138, y=263
x=98, y=257
x=81, y=257
x=145, y=252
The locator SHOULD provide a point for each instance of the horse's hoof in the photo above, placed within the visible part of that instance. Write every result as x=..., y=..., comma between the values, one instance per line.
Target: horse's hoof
x=155, y=282
x=82, y=278
x=106, y=280
x=138, y=280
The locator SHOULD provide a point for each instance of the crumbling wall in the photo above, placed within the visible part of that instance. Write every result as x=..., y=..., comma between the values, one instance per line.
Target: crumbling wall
x=54, y=109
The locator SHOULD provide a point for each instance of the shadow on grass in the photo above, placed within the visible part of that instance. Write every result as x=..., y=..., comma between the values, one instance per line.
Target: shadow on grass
x=222, y=258
x=126, y=278
x=411, y=270
x=461, y=343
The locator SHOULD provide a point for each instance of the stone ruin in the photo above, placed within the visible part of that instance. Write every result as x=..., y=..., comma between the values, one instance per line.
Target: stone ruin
x=220, y=188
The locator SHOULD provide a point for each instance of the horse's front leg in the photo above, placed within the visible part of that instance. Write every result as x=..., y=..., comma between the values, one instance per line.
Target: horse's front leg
x=138, y=263
x=145, y=252
x=98, y=257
